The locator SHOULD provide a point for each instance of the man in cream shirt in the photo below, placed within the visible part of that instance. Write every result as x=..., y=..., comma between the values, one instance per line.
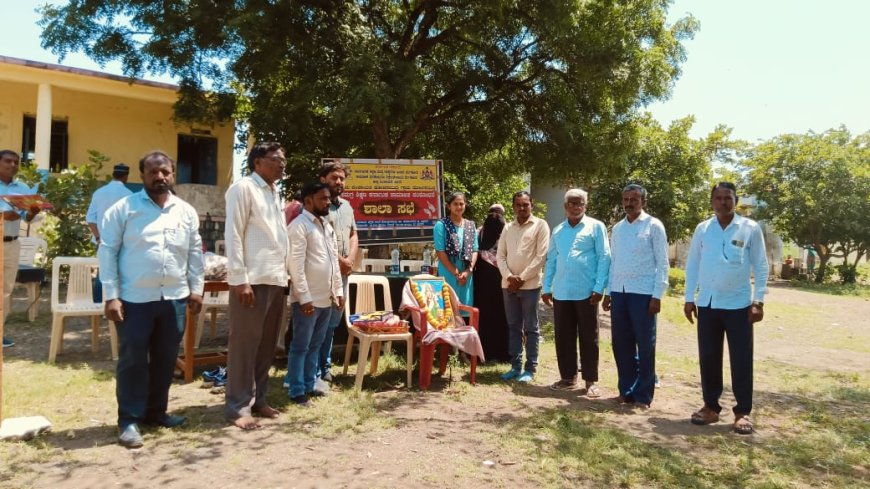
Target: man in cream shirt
x=257, y=254
x=522, y=250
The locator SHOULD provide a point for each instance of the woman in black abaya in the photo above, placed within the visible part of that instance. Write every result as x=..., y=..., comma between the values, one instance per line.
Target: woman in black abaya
x=487, y=288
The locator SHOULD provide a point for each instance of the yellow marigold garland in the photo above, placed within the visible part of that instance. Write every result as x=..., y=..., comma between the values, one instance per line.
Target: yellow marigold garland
x=444, y=320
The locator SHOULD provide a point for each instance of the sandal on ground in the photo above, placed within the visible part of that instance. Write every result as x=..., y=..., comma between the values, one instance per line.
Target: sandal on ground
x=592, y=391
x=704, y=416
x=623, y=400
x=563, y=385
x=742, y=424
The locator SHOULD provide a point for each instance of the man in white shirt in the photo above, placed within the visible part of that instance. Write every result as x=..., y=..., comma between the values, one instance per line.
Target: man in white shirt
x=724, y=250
x=638, y=278
x=103, y=198
x=317, y=292
x=257, y=257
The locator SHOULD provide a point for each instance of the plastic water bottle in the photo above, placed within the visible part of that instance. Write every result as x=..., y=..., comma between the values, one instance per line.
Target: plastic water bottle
x=427, y=261
x=394, y=261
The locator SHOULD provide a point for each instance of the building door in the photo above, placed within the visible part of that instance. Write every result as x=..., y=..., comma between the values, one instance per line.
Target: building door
x=197, y=160
x=59, y=144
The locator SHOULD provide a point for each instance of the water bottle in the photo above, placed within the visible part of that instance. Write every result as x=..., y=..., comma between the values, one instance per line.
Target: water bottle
x=427, y=261
x=394, y=261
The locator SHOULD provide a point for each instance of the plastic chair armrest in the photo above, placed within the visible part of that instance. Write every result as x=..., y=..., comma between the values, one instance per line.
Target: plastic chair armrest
x=475, y=314
x=421, y=329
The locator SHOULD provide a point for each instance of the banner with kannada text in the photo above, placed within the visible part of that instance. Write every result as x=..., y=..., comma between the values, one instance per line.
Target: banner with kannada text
x=393, y=194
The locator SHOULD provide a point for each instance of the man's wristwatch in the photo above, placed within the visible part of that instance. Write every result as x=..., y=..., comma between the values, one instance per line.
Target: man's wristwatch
x=758, y=303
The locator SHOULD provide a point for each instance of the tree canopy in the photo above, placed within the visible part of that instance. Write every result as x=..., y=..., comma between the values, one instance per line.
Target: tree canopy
x=814, y=190
x=675, y=170
x=559, y=82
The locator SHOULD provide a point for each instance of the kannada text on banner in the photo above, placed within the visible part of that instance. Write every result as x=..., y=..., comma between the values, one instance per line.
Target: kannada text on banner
x=394, y=194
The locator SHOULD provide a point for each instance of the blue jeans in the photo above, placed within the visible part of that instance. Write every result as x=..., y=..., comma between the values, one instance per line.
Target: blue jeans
x=713, y=326
x=633, y=333
x=308, y=335
x=148, y=339
x=325, y=361
x=521, y=311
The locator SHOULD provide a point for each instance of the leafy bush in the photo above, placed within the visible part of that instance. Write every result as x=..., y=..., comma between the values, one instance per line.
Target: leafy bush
x=848, y=273
x=677, y=280
x=64, y=228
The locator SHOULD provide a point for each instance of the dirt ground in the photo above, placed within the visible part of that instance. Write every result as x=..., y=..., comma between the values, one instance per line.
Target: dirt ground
x=432, y=439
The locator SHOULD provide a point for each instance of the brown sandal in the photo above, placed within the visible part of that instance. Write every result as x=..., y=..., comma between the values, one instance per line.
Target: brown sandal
x=705, y=416
x=742, y=424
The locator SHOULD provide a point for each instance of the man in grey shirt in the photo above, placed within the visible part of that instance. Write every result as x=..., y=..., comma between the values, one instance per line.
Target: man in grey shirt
x=333, y=174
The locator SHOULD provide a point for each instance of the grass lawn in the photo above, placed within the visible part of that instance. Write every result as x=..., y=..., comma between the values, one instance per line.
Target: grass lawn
x=810, y=412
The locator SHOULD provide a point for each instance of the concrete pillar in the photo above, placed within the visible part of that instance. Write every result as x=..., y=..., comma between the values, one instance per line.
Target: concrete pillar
x=43, y=126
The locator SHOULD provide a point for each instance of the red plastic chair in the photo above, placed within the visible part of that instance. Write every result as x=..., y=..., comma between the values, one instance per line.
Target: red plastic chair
x=427, y=352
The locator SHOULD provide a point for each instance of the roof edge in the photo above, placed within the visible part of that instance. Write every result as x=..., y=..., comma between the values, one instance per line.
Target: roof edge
x=84, y=72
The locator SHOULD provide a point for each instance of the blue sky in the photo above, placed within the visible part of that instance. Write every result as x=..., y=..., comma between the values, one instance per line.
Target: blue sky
x=769, y=67
x=762, y=67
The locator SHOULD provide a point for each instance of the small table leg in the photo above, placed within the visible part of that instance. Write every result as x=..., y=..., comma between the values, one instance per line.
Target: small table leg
x=189, y=339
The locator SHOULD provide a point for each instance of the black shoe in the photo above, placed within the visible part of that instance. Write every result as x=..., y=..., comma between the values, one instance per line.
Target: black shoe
x=327, y=377
x=301, y=401
x=168, y=421
x=7, y=343
x=130, y=437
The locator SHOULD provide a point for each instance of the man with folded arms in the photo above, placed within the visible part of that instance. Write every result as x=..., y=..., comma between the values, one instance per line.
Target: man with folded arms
x=333, y=174
x=521, y=252
x=725, y=250
x=152, y=271
x=638, y=278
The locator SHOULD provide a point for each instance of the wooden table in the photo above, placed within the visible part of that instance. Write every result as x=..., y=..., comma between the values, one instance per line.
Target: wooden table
x=188, y=360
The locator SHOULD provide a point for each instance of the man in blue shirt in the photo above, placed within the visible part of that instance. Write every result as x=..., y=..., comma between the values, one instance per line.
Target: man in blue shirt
x=152, y=271
x=103, y=198
x=638, y=278
x=724, y=250
x=578, y=263
x=12, y=217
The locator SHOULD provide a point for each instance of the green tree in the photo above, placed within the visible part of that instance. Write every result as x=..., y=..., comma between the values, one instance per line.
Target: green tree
x=64, y=227
x=814, y=190
x=557, y=81
x=674, y=168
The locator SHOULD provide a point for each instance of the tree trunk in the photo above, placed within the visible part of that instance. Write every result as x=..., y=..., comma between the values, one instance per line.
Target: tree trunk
x=381, y=135
x=823, y=264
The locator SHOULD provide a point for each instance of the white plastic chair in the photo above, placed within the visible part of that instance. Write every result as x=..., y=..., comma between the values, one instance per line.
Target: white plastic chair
x=30, y=248
x=365, y=302
x=212, y=302
x=220, y=247
x=412, y=265
x=79, y=301
x=375, y=265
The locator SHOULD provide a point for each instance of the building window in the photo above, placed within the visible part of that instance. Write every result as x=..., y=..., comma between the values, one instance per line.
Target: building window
x=58, y=155
x=197, y=160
